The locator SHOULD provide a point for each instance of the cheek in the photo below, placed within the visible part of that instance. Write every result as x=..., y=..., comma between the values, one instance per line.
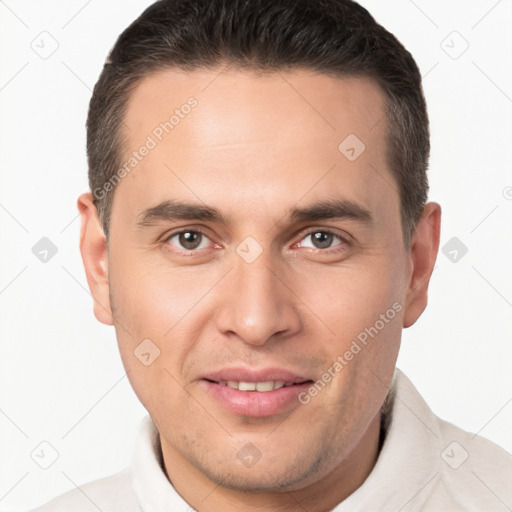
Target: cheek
x=151, y=296
x=153, y=309
x=362, y=307
x=351, y=297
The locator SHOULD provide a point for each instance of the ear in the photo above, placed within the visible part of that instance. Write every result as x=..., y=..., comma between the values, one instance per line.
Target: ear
x=422, y=255
x=93, y=246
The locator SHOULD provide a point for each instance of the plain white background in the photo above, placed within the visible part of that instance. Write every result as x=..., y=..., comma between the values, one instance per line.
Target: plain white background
x=61, y=378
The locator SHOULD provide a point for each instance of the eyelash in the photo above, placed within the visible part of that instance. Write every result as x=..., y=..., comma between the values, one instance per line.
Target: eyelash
x=344, y=241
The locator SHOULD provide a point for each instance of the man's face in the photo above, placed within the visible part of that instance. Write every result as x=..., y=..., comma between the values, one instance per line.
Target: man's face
x=261, y=296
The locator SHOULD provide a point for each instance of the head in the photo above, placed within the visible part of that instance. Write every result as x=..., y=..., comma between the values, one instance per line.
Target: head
x=258, y=178
x=337, y=38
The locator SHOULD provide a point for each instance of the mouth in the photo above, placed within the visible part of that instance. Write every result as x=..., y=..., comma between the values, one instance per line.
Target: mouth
x=255, y=394
x=262, y=387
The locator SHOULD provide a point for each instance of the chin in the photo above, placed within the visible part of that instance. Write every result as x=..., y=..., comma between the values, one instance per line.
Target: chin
x=263, y=476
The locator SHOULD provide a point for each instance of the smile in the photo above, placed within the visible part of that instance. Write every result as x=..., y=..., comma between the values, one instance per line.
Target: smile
x=256, y=394
x=265, y=386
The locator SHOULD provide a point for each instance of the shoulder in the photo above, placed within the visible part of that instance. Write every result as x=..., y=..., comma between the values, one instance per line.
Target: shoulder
x=446, y=467
x=113, y=494
x=464, y=470
x=475, y=472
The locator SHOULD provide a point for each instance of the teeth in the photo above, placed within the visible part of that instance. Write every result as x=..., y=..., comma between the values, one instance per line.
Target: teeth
x=255, y=386
x=247, y=386
x=264, y=386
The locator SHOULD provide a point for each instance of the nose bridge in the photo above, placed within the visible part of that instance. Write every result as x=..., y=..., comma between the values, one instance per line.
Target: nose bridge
x=257, y=305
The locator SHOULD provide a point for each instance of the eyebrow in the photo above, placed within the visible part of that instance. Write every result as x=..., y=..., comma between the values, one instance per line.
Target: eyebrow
x=332, y=209
x=175, y=210
x=171, y=210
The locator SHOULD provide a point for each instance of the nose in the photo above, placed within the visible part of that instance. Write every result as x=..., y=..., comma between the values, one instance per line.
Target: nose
x=257, y=303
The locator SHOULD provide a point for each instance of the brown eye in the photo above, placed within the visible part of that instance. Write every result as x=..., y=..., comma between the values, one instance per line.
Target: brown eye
x=322, y=239
x=187, y=240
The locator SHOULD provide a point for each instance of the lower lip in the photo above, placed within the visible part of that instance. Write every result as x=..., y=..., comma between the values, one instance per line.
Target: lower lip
x=256, y=403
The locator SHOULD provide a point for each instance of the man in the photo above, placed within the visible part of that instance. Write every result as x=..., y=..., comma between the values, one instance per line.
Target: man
x=258, y=234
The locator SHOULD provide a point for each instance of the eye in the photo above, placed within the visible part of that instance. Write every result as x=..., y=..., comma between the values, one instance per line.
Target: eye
x=188, y=240
x=323, y=239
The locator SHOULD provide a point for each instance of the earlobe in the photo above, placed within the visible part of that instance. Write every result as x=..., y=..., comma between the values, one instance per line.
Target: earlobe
x=422, y=254
x=93, y=247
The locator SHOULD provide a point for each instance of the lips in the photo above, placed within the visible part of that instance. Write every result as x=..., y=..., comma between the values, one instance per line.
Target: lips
x=255, y=393
x=262, y=387
x=254, y=376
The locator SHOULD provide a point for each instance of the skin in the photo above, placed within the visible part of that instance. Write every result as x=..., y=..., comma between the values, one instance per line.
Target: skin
x=254, y=147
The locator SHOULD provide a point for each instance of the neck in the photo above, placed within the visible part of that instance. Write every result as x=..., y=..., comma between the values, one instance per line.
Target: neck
x=320, y=493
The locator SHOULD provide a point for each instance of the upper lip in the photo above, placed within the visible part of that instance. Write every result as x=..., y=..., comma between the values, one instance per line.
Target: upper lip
x=240, y=374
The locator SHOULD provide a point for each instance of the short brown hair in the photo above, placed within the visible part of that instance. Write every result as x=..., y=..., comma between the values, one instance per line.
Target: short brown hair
x=335, y=37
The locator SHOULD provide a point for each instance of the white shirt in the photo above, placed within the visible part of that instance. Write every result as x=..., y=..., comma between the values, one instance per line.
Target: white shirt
x=425, y=464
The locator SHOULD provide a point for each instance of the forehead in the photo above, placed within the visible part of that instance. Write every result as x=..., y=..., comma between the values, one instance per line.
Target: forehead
x=253, y=137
